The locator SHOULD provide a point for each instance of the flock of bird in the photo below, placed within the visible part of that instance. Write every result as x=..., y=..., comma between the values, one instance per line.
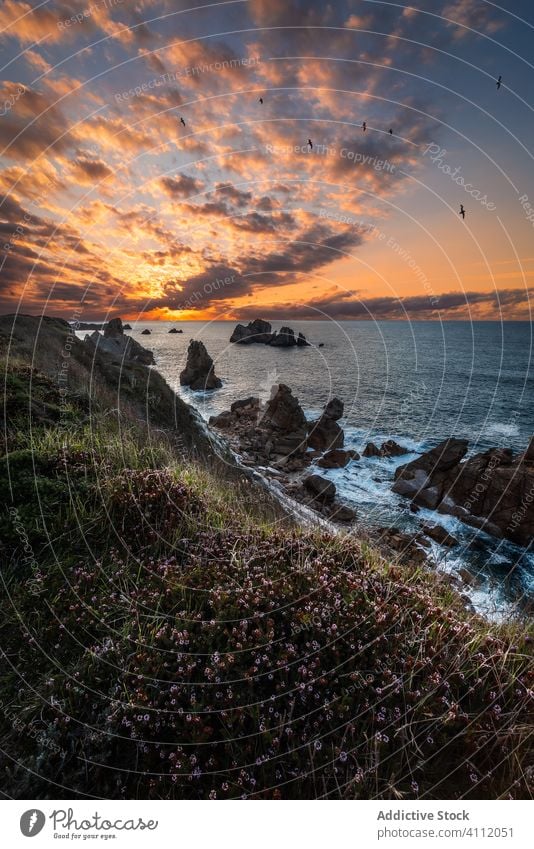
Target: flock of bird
x=364, y=128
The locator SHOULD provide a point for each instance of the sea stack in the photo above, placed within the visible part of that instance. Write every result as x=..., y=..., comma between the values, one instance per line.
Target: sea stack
x=198, y=373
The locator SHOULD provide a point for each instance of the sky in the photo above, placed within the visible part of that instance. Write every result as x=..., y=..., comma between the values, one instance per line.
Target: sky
x=141, y=175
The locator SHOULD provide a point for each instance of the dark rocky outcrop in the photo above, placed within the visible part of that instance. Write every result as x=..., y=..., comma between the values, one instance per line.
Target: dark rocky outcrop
x=146, y=332
x=492, y=491
x=175, y=330
x=321, y=489
x=388, y=449
x=439, y=534
x=285, y=338
x=283, y=410
x=325, y=434
x=199, y=373
x=114, y=343
x=260, y=331
x=337, y=458
x=127, y=327
x=256, y=331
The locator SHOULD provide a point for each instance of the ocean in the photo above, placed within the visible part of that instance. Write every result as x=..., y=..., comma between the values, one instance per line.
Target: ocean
x=417, y=383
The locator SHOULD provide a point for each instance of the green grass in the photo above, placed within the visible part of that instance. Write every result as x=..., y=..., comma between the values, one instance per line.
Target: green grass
x=171, y=635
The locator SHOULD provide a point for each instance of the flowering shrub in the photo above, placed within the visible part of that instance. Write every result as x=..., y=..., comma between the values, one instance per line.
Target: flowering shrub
x=270, y=665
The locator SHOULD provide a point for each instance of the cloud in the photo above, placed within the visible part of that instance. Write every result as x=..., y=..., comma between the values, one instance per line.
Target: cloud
x=180, y=187
x=89, y=171
x=33, y=124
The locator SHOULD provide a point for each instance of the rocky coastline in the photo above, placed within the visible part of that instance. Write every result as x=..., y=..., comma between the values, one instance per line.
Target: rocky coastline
x=491, y=491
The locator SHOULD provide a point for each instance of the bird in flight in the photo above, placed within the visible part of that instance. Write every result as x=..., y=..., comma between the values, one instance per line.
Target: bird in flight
x=261, y=99
x=364, y=126
x=310, y=144
x=182, y=121
x=390, y=131
x=499, y=82
x=462, y=211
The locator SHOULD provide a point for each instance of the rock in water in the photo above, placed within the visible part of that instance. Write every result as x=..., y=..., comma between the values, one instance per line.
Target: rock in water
x=284, y=339
x=113, y=328
x=337, y=459
x=175, y=330
x=122, y=348
x=256, y=331
x=198, y=373
x=259, y=331
x=321, y=488
x=325, y=434
x=146, y=332
x=493, y=491
x=283, y=410
x=371, y=450
x=439, y=534
x=388, y=449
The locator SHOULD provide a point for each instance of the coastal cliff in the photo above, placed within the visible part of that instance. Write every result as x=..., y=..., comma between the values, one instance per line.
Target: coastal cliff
x=170, y=632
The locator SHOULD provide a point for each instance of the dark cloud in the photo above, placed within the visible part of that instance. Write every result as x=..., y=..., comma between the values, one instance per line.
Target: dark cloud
x=343, y=306
x=180, y=187
x=33, y=124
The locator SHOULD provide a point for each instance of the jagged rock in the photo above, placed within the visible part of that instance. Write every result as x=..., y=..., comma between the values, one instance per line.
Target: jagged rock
x=127, y=327
x=284, y=339
x=392, y=449
x=325, y=434
x=259, y=331
x=113, y=328
x=198, y=373
x=337, y=459
x=256, y=331
x=223, y=420
x=146, y=332
x=334, y=409
x=439, y=534
x=492, y=491
x=175, y=330
x=122, y=348
x=283, y=410
x=445, y=456
x=388, y=449
x=321, y=488
x=371, y=450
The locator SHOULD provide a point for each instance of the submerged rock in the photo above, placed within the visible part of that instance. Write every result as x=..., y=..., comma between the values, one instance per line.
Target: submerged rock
x=198, y=373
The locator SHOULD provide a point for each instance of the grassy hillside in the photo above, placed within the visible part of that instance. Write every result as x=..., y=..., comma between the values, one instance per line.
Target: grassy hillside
x=166, y=632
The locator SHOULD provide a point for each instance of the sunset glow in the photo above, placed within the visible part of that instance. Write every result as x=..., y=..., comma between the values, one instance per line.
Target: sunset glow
x=141, y=174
